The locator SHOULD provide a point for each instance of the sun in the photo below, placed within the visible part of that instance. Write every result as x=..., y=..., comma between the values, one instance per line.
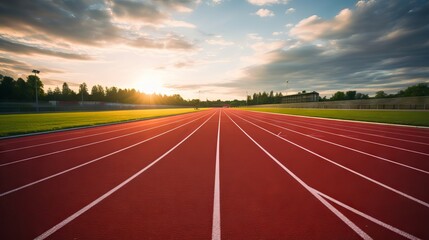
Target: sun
x=151, y=82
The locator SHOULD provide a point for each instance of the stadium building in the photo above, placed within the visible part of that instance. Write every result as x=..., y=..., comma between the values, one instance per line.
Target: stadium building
x=301, y=97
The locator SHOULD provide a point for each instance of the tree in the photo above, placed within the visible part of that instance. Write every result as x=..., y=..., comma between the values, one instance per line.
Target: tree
x=421, y=89
x=57, y=93
x=112, y=94
x=21, y=90
x=97, y=93
x=351, y=95
x=83, y=91
x=7, y=86
x=380, y=94
x=31, y=87
x=66, y=91
x=361, y=96
x=338, y=96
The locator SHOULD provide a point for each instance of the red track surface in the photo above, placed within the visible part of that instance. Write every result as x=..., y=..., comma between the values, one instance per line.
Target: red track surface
x=278, y=177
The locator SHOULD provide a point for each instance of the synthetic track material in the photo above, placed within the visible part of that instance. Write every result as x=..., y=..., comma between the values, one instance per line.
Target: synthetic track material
x=218, y=174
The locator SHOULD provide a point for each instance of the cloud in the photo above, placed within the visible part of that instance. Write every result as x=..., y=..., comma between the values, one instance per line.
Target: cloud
x=144, y=11
x=267, y=2
x=216, y=2
x=14, y=68
x=88, y=22
x=315, y=27
x=184, y=64
x=377, y=45
x=290, y=10
x=264, y=13
x=219, y=40
x=83, y=22
x=169, y=42
x=19, y=48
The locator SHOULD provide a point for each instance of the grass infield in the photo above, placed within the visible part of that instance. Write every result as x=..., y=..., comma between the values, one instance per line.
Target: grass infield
x=12, y=124
x=415, y=118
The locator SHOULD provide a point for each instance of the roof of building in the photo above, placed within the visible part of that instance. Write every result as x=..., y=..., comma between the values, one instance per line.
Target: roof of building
x=301, y=94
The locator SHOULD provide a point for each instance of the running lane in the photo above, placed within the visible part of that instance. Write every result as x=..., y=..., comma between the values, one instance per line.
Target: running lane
x=171, y=200
x=55, y=161
x=400, y=211
x=259, y=200
x=41, y=206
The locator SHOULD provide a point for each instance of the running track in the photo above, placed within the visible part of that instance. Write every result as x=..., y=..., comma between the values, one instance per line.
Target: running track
x=218, y=174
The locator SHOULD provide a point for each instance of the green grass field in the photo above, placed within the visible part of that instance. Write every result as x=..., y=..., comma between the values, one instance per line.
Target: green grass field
x=12, y=124
x=416, y=118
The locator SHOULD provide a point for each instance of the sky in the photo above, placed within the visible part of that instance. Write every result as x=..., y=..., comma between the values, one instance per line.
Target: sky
x=218, y=49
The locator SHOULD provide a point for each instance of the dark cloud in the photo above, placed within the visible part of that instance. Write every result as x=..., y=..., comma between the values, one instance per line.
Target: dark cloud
x=87, y=22
x=378, y=45
x=52, y=83
x=138, y=10
x=18, y=48
x=80, y=21
x=14, y=68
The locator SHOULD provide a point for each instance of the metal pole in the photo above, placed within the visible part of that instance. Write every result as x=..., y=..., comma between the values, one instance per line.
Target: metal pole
x=37, y=94
x=287, y=81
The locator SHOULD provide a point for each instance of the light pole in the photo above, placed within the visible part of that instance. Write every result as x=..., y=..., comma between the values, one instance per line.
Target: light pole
x=287, y=81
x=37, y=94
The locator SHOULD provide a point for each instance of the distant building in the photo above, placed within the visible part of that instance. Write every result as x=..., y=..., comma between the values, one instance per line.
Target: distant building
x=301, y=97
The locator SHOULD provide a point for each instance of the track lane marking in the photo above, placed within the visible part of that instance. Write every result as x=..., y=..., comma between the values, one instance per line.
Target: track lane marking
x=84, y=145
x=216, y=199
x=92, y=161
x=342, y=146
x=345, y=168
x=113, y=190
x=377, y=130
x=341, y=216
x=86, y=136
x=366, y=216
x=369, y=134
x=357, y=139
x=402, y=127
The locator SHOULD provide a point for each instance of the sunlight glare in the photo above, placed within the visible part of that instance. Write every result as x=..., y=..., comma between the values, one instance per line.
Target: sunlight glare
x=151, y=82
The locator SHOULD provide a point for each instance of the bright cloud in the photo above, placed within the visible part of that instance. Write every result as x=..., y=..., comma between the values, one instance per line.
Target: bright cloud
x=219, y=40
x=290, y=10
x=267, y=2
x=264, y=13
x=315, y=27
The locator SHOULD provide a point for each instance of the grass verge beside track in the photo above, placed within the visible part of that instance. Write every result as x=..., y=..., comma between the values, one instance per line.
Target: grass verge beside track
x=416, y=118
x=12, y=124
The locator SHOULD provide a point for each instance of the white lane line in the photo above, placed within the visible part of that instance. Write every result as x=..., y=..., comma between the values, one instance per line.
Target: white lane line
x=216, y=199
x=369, y=134
x=92, y=161
x=113, y=190
x=345, y=168
x=342, y=146
x=353, y=138
x=377, y=130
x=84, y=145
x=397, y=131
x=403, y=127
x=86, y=136
x=341, y=216
x=372, y=219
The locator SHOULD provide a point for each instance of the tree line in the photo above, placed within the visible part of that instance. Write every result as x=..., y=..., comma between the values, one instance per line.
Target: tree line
x=420, y=89
x=25, y=90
